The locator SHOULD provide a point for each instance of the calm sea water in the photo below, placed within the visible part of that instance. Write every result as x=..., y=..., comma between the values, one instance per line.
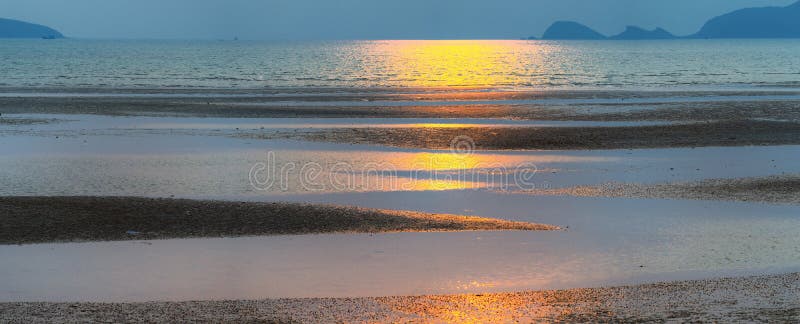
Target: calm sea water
x=515, y=64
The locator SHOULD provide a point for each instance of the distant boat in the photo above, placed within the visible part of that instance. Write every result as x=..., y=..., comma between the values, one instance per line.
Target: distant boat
x=236, y=38
x=49, y=37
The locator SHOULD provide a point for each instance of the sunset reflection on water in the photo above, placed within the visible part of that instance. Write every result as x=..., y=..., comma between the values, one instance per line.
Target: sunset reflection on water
x=365, y=171
x=457, y=63
x=496, y=308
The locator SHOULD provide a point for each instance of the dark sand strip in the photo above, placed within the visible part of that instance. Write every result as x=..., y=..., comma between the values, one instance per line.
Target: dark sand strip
x=730, y=133
x=375, y=93
x=753, y=299
x=6, y=121
x=685, y=111
x=783, y=189
x=254, y=107
x=59, y=219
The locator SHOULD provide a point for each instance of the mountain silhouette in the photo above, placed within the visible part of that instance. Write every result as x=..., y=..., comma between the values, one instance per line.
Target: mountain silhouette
x=10, y=28
x=765, y=22
x=637, y=33
x=566, y=30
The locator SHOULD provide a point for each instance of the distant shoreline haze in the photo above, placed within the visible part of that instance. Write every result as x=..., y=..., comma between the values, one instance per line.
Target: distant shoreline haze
x=760, y=22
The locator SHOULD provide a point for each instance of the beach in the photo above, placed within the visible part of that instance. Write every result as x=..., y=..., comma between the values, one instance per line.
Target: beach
x=400, y=181
x=29, y=220
x=752, y=299
x=737, y=133
x=535, y=215
x=775, y=189
x=586, y=105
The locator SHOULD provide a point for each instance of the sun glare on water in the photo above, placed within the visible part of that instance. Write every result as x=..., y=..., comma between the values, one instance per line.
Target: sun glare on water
x=458, y=63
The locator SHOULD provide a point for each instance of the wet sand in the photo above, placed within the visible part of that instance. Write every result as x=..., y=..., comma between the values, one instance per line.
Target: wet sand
x=753, y=299
x=783, y=189
x=731, y=133
x=724, y=123
x=372, y=103
x=64, y=219
x=5, y=121
x=693, y=111
x=388, y=92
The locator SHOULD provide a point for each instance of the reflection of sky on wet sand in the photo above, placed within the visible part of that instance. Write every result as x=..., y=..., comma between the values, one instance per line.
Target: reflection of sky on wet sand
x=188, y=165
x=196, y=165
x=608, y=241
x=489, y=308
x=85, y=124
x=227, y=174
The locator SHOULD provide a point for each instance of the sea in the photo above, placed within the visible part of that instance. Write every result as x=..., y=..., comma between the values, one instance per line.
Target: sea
x=506, y=64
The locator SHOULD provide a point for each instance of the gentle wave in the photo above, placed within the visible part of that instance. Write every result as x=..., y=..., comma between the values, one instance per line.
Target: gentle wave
x=417, y=64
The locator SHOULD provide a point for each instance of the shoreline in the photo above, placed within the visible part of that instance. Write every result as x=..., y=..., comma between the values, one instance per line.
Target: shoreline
x=15, y=121
x=558, y=92
x=760, y=298
x=725, y=133
x=602, y=106
x=28, y=220
x=778, y=189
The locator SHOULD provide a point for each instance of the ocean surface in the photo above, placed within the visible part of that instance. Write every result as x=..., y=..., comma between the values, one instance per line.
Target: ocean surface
x=493, y=64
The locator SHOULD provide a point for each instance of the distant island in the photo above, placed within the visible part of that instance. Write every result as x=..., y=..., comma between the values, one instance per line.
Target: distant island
x=570, y=30
x=634, y=33
x=766, y=22
x=10, y=28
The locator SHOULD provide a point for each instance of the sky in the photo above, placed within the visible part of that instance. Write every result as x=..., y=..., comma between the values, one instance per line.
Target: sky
x=360, y=19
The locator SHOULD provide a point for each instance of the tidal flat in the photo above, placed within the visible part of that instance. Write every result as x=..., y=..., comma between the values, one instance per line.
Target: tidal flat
x=731, y=133
x=138, y=205
x=69, y=219
x=780, y=189
x=749, y=299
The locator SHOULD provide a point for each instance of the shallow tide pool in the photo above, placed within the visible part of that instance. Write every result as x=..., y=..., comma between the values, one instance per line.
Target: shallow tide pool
x=605, y=241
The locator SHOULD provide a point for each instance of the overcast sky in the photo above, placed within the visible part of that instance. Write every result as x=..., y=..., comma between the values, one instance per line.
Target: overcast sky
x=359, y=19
